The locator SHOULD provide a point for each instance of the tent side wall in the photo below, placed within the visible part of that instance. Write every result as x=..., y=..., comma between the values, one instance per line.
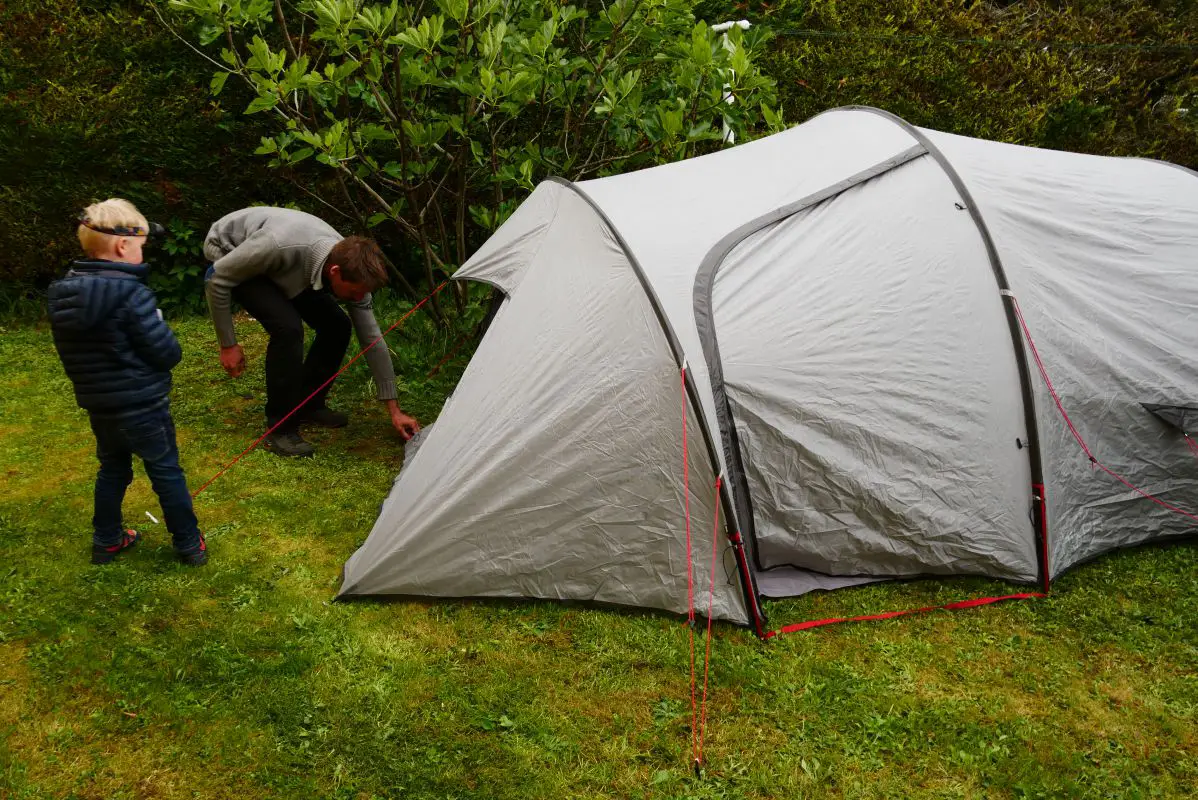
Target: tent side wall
x=672, y=215
x=874, y=391
x=739, y=547
x=555, y=470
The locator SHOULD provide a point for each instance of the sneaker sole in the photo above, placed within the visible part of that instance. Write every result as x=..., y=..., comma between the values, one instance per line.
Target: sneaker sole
x=99, y=559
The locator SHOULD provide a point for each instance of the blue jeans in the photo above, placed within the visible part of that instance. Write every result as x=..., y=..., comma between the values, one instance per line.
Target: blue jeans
x=151, y=437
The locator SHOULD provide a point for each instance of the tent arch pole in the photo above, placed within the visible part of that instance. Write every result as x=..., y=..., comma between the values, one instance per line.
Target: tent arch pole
x=747, y=581
x=705, y=323
x=1008, y=300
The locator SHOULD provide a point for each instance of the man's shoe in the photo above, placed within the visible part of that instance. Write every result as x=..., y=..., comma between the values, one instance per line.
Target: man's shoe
x=194, y=557
x=323, y=418
x=289, y=444
x=104, y=555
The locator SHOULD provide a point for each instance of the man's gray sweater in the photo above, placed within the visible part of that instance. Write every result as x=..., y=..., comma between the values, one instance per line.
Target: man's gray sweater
x=289, y=247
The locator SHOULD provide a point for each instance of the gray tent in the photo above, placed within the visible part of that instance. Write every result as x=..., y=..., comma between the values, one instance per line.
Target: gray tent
x=844, y=302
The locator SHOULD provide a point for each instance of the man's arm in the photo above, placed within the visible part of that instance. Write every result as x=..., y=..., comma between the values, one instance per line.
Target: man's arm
x=379, y=359
x=250, y=258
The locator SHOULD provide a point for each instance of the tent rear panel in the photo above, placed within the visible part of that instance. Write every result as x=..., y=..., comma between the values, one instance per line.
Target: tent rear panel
x=873, y=383
x=1102, y=254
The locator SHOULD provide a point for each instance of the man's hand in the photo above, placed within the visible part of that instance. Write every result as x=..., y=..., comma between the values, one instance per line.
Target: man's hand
x=404, y=425
x=233, y=360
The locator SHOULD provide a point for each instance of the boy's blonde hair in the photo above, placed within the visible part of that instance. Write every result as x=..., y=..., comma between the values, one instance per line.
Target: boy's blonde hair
x=113, y=214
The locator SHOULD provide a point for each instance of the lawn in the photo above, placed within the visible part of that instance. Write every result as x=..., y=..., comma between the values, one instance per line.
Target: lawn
x=242, y=679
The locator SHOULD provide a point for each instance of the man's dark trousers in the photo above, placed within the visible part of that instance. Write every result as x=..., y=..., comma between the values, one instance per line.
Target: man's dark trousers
x=290, y=377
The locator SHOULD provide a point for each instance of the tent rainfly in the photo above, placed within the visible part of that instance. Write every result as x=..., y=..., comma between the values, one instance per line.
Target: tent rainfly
x=845, y=324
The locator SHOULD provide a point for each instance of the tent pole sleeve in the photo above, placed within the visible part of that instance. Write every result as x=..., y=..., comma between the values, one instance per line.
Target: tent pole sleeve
x=748, y=582
x=705, y=323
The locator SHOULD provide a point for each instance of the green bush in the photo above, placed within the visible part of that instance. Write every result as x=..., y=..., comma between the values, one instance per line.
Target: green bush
x=1093, y=77
x=99, y=101
x=434, y=120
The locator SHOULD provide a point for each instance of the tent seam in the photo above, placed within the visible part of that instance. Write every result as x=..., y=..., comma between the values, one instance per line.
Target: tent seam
x=705, y=317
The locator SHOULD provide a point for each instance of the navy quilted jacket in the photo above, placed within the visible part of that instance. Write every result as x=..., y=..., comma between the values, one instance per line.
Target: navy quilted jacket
x=115, y=347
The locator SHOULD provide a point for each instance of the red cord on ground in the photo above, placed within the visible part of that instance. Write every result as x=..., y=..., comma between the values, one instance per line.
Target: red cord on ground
x=715, y=536
x=981, y=601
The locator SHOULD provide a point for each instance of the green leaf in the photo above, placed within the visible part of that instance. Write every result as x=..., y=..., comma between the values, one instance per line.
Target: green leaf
x=261, y=103
x=218, y=82
x=772, y=118
x=373, y=69
x=342, y=71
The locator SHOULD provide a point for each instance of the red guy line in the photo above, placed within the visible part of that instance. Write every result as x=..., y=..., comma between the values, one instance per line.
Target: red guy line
x=715, y=535
x=690, y=586
x=1065, y=415
x=361, y=353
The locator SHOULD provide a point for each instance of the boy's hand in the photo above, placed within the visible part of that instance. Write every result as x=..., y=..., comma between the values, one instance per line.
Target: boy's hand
x=233, y=360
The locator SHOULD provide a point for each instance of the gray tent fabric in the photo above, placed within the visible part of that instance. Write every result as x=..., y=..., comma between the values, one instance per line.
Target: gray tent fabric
x=844, y=297
x=1101, y=255
x=878, y=411
x=555, y=469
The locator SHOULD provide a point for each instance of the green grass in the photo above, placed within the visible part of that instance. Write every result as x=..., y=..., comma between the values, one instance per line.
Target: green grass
x=147, y=679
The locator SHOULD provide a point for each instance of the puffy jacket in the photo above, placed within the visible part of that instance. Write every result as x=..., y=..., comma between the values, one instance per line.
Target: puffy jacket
x=115, y=347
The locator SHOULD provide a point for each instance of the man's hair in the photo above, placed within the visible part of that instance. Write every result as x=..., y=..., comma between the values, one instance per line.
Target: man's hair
x=361, y=261
x=114, y=214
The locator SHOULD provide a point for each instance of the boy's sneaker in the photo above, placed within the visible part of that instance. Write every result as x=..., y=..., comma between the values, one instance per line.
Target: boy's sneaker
x=195, y=557
x=104, y=555
x=289, y=444
x=323, y=418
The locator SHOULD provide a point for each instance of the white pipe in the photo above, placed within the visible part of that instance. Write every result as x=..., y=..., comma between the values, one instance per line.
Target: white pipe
x=723, y=28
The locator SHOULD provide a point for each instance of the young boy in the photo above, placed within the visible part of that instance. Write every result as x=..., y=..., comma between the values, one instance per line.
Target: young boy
x=118, y=353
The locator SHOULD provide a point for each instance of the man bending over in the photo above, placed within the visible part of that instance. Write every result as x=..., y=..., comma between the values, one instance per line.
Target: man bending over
x=287, y=268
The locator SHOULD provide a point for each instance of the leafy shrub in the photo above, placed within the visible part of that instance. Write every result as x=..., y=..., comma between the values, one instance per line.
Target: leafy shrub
x=1116, y=77
x=435, y=119
x=100, y=101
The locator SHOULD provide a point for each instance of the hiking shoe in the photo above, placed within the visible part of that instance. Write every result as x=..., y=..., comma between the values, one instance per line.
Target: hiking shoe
x=323, y=418
x=104, y=555
x=194, y=557
x=289, y=444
